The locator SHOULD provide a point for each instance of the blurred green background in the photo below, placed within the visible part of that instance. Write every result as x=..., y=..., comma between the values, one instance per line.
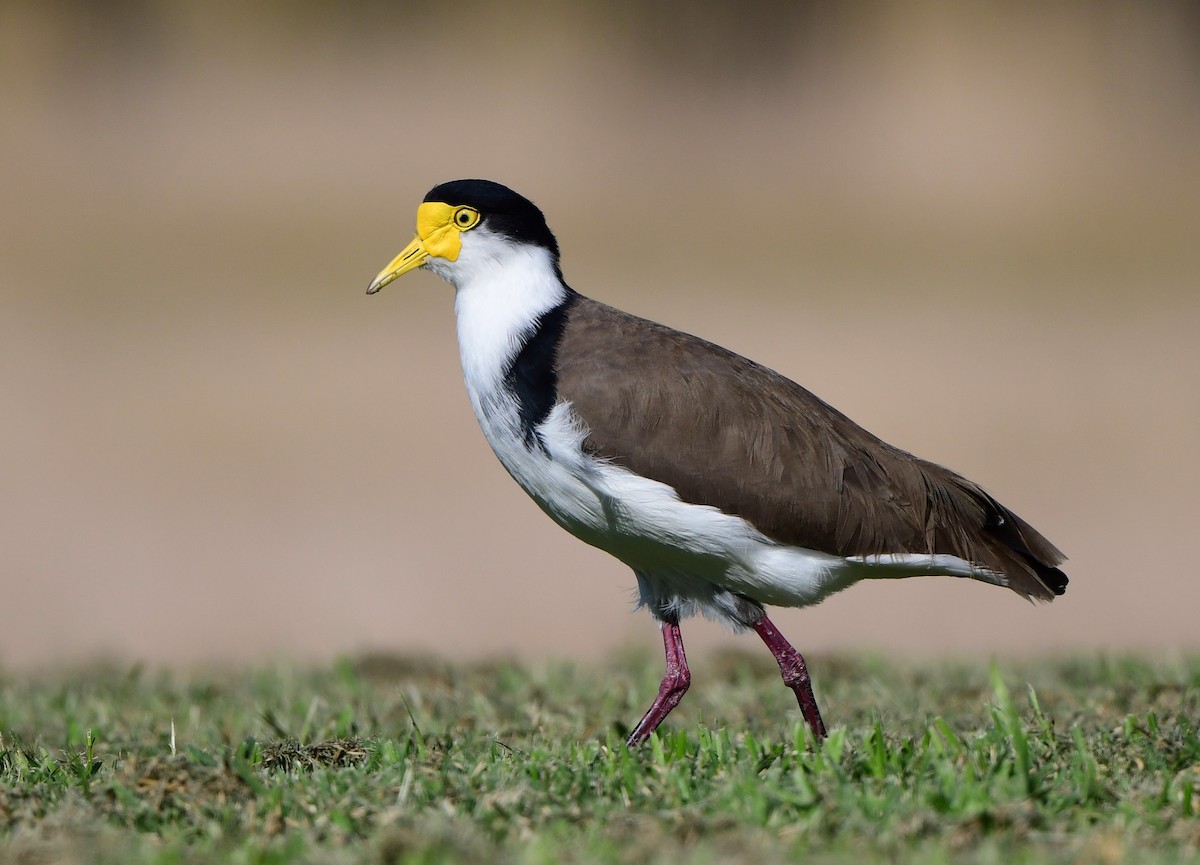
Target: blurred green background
x=973, y=227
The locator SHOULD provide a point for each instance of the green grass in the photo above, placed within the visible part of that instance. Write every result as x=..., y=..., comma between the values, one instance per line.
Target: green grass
x=394, y=760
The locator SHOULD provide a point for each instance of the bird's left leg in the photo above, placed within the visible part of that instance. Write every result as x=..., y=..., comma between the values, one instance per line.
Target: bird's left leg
x=795, y=673
x=674, y=684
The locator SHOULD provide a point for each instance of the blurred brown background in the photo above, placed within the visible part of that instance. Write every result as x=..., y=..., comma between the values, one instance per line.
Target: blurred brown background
x=973, y=227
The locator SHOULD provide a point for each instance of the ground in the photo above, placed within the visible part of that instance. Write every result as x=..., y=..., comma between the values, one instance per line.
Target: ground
x=384, y=759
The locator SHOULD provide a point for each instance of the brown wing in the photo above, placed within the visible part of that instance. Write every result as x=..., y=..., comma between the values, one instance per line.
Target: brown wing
x=727, y=432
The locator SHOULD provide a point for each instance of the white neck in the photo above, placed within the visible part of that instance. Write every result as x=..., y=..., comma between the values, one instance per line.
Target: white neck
x=501, y=289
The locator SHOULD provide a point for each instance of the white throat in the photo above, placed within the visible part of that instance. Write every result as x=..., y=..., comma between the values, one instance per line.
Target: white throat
x=501, y=289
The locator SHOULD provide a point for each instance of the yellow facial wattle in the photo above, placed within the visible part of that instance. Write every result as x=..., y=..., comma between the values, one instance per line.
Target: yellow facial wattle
x=439, y=234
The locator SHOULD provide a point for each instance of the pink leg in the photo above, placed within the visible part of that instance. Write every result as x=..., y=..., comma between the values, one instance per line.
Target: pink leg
x=795, y=673
x=674, y=685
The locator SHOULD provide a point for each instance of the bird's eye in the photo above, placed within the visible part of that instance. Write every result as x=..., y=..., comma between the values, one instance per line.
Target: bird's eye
x=466, y=217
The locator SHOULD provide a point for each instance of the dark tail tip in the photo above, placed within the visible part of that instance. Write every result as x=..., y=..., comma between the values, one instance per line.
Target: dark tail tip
x=1055, y=580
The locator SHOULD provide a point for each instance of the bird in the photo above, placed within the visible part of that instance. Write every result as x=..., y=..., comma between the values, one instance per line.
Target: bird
x=725, y=486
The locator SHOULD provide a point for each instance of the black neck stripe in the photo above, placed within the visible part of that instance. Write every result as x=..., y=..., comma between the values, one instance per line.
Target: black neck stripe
x=531, y=377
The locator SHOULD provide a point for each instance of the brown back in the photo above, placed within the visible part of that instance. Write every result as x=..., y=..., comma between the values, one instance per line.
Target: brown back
x=727, y=432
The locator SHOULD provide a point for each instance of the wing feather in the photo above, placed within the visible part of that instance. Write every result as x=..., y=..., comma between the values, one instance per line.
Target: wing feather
x=727, y=432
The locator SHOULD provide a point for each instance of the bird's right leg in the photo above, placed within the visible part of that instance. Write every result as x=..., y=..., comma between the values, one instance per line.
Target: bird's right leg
x=674, y=684
x=795, y=673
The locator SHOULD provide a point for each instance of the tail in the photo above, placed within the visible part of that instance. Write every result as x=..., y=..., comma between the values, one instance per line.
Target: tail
x=965, y=520
x=1033, y=561
x=1020, y=552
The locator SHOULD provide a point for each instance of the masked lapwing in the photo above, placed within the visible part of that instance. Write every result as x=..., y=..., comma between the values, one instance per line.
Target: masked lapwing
x=724, y=486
